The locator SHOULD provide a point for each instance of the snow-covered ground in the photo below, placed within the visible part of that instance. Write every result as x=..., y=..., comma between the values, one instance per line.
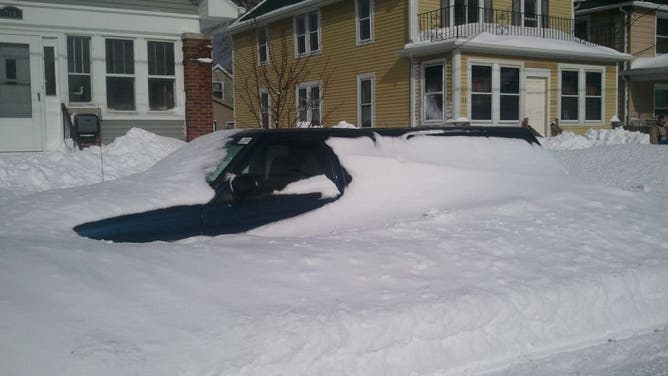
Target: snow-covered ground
x=437, y=260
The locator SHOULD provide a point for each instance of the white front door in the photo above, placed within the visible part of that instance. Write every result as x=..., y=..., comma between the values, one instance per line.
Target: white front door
x=536, y=104
x=21, y=126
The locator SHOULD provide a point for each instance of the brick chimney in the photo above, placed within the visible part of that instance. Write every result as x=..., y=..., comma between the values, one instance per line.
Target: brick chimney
x=197, y=84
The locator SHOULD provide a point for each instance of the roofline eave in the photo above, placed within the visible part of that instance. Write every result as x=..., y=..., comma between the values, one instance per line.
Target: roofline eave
x=277, y=14
x=639, y=4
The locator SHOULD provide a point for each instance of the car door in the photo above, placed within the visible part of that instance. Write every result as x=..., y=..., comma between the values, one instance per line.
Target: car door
x=290, y=175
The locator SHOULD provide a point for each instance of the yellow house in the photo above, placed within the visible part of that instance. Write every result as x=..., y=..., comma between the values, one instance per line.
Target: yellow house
x=398, y=63
x=639, y=28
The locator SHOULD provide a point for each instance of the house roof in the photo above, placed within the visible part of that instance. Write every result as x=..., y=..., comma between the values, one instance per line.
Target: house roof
x=166, y=6
x=585, y=6
x=520, y=46
x=267, y=6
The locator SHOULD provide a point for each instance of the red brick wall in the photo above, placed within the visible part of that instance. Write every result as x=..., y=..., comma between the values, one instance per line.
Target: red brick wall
x=197, y=84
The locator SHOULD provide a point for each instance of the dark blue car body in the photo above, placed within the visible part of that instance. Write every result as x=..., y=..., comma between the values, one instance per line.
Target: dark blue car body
x=267, y=162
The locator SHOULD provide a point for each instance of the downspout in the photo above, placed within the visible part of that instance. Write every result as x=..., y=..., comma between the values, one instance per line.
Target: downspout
x=627, y=116
x=412, y=95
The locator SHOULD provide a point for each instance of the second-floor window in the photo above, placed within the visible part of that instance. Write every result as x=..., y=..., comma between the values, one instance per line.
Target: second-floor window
x=78, y=69
x=120, y=59
x=307, y=33
x=364, y=20
x=161, y=76
x=262, y=46
x=217, y=87
x=662, y=33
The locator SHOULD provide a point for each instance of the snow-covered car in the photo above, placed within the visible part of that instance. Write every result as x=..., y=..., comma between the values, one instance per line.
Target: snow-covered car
x=263, y=177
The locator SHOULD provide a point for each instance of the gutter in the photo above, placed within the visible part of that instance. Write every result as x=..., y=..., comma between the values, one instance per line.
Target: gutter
x=277, y=14
x=638, y=4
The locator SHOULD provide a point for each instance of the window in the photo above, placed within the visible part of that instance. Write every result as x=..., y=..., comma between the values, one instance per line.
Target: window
x=481, y=92
x=660, y=99
x=581, y=95
x=10, y=69
x=49, y=71
x=593, y=96
x=264, y=108
x=308, y=105
x=262, y=46
x=120, y=59
x=530, y=13
x=78, y=69
x=307, y=33
x=218, y=88
x=433, y=93
x=364, y=20
x=161, y=76
x=509, y=97
x=365, y=101
x=569, y=95
x=662, y=33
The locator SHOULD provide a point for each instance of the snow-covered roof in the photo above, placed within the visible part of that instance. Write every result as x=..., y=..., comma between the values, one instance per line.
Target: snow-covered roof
x=532, y=46
x=658, y=62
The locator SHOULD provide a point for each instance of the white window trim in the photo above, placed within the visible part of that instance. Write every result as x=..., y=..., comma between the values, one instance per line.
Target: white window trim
x=265, y=91
x=582, y=93
x=426, y=64
x=266, y=45
x=135, y=48
x=307, y=43
x=308, y=85
x=90, y=74
x=372, y=77
x=149, y=76
x=360, y=41
x=656, y=31
x=660, y=87
x=496, y=90
x=222, y=88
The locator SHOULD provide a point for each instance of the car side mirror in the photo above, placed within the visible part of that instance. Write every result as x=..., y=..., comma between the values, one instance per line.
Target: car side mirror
x=243, y=185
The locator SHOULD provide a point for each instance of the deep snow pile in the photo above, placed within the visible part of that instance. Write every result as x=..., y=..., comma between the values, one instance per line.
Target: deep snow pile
x=594, y=137
x=441, y=258
x=26, y=173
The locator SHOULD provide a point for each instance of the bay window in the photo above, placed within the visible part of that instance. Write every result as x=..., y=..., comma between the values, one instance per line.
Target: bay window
x=495, y=93
x=481, y=92
x=433, y=93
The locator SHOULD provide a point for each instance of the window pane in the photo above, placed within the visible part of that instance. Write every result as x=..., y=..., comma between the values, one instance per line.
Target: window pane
x=510, y=80
x=661, y=97
x=481, y=77
x=433, y=79
x=593, y=109
x=569, y=83
x=433, y=107
x=121, y=93
x=302, y=100
x=365, y=29
x=15, y=84
x=264, y=109
x=217, y=89
x=593, y=83
x=10, y=69
x=510, y=107
x=79, y=86
x=301, y=44
x=78, y=54
x=313, y=21
x=299, y=24
x=662, y=45
x=160, y=94
x=313, y=38
x=120, y=56
x=363, y=8
x=49, y=71
x=569, y=108
x=365, y=113
x=160, y=58
x=662, y=26
x=365, y=91
x=315, y=95
x=481, y=106
x=263, y=53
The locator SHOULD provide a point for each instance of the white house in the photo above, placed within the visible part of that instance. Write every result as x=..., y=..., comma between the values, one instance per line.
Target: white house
x=124, y=60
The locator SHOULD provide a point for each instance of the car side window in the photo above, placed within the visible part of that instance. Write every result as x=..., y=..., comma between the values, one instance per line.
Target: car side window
x=277, y=164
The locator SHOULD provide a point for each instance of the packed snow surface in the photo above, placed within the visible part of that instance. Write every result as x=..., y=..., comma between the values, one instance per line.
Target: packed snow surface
x=444, y=256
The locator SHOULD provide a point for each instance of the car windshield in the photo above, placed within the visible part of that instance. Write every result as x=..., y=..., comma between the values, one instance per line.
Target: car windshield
x=231, y=150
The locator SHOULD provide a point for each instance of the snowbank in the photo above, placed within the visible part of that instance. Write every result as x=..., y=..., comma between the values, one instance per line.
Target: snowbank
x=594, y=137
x=25, y=173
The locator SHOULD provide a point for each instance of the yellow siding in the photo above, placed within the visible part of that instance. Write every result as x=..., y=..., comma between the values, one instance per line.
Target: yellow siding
x=560, y=8
x=643, y=33
x=343, y=61
x=428, y=5
x=610, y=85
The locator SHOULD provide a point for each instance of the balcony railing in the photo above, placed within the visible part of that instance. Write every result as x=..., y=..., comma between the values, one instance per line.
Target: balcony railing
x=456, y=22
x=603, y=34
